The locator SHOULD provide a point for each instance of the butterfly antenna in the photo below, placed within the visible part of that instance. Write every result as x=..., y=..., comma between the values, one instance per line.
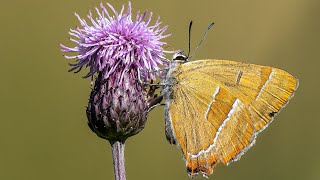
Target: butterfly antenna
x=204, y=35
x=189, y=40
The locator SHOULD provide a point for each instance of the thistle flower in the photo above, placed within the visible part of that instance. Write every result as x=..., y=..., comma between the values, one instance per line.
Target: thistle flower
x=120, y=51
x=115, y=41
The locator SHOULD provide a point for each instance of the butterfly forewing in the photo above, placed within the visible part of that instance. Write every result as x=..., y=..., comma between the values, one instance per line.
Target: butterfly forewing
x=264, y=90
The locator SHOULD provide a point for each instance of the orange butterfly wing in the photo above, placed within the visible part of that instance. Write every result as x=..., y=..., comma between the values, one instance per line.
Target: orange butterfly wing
x=215, y=108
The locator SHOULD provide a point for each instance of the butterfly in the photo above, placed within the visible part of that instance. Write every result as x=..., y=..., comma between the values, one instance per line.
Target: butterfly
x=214, y=109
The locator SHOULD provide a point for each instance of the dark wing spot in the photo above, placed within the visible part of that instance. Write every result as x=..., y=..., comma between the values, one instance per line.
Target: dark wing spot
x=272, y=114
x=239, y=77
x=229, y=84
x=192, y=172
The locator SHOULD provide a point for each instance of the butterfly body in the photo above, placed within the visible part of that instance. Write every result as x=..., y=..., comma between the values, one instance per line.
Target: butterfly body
x=216, y=108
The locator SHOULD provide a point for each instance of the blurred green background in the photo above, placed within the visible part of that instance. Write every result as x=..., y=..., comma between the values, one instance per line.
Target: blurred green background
x=44, y=133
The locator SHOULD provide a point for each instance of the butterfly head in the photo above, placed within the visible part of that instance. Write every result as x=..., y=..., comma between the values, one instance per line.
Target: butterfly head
x=180, y=57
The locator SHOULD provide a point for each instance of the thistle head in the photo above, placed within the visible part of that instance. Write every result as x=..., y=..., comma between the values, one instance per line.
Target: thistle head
x=121, y=50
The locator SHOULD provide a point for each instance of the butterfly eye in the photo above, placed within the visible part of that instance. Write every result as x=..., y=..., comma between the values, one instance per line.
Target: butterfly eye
x=179, y=57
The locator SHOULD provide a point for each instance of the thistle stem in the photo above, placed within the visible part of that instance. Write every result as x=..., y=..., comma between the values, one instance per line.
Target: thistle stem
x=118, y=160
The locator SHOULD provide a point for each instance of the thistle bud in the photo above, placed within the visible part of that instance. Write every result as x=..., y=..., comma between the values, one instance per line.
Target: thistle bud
x=116, y=110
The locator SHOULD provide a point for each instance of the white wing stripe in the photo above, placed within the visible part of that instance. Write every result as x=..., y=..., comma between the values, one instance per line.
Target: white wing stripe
x=234, y=106
x=264, y=85
x=210, y=104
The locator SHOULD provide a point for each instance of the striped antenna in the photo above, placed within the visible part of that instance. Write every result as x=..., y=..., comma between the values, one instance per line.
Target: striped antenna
x=204, y=35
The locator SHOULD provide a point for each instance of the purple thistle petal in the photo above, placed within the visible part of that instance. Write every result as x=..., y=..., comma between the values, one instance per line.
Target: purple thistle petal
x=117, y=41
x=114, y=11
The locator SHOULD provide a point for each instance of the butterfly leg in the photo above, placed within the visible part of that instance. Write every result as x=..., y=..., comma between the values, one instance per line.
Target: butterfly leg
x=156, y=101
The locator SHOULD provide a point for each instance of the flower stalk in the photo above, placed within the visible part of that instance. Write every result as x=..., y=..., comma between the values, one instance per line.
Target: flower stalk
x=118, y=160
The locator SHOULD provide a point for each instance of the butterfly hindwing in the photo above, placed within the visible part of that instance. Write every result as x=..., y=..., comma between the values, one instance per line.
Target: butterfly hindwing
x=216, y=108
x=206, y=121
